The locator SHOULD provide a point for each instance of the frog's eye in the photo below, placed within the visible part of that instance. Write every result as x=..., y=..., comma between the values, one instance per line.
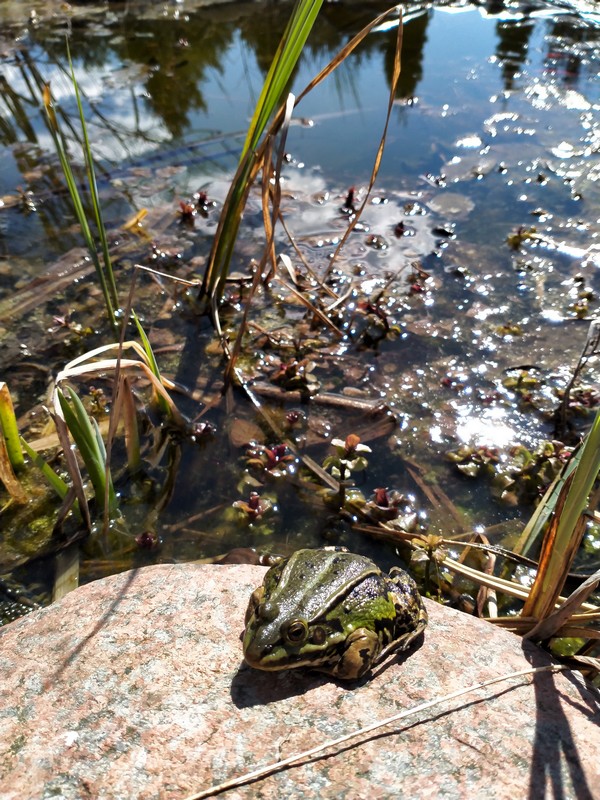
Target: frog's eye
x=295, y=631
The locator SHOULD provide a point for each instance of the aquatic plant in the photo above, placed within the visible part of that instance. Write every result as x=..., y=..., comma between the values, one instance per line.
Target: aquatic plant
x=517, y=476
x=286, y=57
x=349, y=457
x=257, y=154
x=391, y=506
x=254, y=508
x=296, y=376
x=12, y=449
x=70, y=416
x=55, y=481
x=567, y=523
x=9, y=428
x=104, y=269
x=560, y=521
x=272, y=460
x=11, y=455
x=87, y=437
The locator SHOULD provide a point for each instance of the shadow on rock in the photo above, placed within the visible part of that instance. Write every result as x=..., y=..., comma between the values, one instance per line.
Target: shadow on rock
x=254, y=687
x=554, y=748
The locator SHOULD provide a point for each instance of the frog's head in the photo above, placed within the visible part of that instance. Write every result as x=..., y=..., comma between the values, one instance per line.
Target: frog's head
x=280, y=637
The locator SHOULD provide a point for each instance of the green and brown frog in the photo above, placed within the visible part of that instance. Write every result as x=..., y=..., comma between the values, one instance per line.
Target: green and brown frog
x=331, y=610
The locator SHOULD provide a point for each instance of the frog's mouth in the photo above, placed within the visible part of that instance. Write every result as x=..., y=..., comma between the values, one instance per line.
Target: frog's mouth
x=266, y=665
x=258, y=658
x=279, y=658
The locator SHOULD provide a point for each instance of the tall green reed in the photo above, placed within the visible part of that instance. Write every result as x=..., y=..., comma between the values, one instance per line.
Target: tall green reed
x=104, y=269
x=286, y=57
x=567, y=524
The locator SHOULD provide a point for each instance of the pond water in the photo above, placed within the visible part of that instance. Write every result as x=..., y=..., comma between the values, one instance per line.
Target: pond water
x=494, y=133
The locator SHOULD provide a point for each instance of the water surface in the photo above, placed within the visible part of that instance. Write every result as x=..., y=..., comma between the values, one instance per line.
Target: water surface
x=494, y=129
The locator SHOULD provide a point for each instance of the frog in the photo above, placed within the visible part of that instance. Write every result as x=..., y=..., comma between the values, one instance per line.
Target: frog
x=331, y=610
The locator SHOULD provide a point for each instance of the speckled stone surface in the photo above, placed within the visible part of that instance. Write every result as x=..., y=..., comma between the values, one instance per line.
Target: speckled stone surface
x=133, y=687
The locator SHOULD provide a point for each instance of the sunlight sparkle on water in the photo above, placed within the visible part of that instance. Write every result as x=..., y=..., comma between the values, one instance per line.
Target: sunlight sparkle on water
x=489, y=428
x=552, y=315
x=435, y=434
x=469, y=141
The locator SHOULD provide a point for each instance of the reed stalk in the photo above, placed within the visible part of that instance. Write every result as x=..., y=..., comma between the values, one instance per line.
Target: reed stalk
x=9, y=428
x=284, y=62
x=104, y=271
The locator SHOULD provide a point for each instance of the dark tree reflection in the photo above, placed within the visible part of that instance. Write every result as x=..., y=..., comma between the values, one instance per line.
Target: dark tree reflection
x=512, y=48
x=413, y=47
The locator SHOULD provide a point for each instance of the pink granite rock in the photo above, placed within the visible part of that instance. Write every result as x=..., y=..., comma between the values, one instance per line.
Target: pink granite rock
x=133, y=687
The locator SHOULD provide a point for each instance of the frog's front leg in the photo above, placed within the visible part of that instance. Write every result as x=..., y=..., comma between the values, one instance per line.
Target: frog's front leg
x=361, y=650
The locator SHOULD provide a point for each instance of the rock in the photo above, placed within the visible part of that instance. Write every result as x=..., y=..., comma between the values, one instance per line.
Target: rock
x=133, y=687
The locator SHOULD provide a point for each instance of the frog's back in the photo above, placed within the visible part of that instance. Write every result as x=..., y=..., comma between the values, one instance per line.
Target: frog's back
x=310, y=579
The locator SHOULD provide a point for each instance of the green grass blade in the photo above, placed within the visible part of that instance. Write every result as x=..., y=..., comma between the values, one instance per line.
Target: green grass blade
x=8, y=478
x=152, y=363
x=91, y=447
x=565, y=531
x=81, y=430
x=534, y=529
x=217, y=270
x=9, y=428
x=285, y=60
x=55, y=481
x=93, y=187
x=78, y=207
x=99, y=441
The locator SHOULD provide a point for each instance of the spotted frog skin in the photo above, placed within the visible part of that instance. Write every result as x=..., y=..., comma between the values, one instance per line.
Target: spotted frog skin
x=331, y=610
